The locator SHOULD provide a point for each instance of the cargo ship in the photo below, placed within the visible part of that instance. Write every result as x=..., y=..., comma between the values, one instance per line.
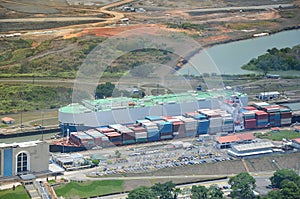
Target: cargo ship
x=190, y=124
x=124, y=110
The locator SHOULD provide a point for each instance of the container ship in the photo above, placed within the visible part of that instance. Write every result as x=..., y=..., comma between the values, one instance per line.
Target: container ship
x=125, y=110
x=90, y=126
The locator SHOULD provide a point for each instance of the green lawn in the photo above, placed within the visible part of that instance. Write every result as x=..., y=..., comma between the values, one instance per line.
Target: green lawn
x=89, y=188
x=18, y=193
x=277, y=136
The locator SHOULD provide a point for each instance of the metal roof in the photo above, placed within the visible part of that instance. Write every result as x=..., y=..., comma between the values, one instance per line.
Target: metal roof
x=253, y=146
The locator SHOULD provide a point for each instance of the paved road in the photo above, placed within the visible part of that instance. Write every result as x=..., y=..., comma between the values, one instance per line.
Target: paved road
x=228, y=9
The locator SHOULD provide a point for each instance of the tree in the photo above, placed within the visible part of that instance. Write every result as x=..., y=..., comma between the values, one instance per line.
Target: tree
x=290, y=190
x=242, y=185
x=165, y=190
x=118, y=154
x=95, y=162
x=214, y=192
x=199, y=192
x=284, y=174
x=141, y=193
x=104, y=90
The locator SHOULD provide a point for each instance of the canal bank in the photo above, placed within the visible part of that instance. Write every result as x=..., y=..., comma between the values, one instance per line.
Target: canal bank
x=229, y=56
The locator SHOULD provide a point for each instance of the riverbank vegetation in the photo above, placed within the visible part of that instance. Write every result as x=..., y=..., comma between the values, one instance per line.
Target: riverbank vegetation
x=275, y=60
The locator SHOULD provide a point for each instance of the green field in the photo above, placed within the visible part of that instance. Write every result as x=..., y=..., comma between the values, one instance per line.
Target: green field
x=89, y=188
x=18, y=193
x=278, y=136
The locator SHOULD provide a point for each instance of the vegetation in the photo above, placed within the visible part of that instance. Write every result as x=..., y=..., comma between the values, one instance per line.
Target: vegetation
x=186, y=26
x=283, y=59
x=250, y=25
x=164, y=191
x=286, y=183
x=89, y=188
x=14, y=98
x=201, y=192
x=63, y=58
x=278, y=136
x=242, y=186
x=282, y=175
x=18, y=193
x=108, y=90
x=142, y=192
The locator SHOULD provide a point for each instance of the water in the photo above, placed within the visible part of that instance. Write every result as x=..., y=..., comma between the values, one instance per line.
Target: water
x=228, y=58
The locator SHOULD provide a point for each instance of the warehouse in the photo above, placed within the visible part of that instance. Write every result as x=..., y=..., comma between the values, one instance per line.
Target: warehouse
x=229, y=141
x=22, y=158
x=257, y=148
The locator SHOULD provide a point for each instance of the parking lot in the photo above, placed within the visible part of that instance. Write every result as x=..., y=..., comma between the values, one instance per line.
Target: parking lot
x=150, y=158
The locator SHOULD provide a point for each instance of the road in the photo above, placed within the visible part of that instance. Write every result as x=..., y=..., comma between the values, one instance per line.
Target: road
x=115, y=16
x=229, y=9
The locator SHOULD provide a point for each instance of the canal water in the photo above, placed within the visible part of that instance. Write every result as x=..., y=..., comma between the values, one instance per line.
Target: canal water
x=228, y=58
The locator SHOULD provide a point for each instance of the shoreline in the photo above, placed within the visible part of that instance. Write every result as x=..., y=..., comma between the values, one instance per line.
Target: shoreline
x=207, y=46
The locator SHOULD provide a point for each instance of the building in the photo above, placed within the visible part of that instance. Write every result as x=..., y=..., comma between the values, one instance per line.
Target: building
x=268, y=95
x=8, y=120
x=257, y=148
x=23, y=158
x=223, y=142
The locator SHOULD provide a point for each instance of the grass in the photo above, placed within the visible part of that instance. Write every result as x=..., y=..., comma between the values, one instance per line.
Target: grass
x=89, y=188
x=278, y=136
x=249, y=25
x=18, y=193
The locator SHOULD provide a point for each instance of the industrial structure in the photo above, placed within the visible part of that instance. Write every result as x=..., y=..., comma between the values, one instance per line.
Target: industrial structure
x=24, y=158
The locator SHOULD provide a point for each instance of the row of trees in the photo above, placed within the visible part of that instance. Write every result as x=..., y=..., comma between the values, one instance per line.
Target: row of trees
x=286, y=185
x=283, y=59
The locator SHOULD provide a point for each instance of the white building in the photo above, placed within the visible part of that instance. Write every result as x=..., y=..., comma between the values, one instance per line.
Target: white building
x=257, y=148
x=23, y=158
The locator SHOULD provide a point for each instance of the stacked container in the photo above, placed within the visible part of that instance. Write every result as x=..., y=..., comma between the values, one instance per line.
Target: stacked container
x=105, y=140
x=165, y=130
x=273, y=114
x=127, y=135
x=114, y=138
x=203, y=127
x=261, y=119
x=153, y=118
x=152, y=131
x=140, y=134
x=97, y=136
x=190, y=126
x=177, y=126
x=227, y=125
x=215, y=120
x=249, y=119
x=82, y=139
x=285, y=116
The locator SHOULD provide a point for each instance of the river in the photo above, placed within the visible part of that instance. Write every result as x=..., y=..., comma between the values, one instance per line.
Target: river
x=228, y=58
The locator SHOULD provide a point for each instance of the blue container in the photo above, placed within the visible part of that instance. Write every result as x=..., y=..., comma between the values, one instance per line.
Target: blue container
x=165, y=127
x=153, y=139
x=153, y=118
